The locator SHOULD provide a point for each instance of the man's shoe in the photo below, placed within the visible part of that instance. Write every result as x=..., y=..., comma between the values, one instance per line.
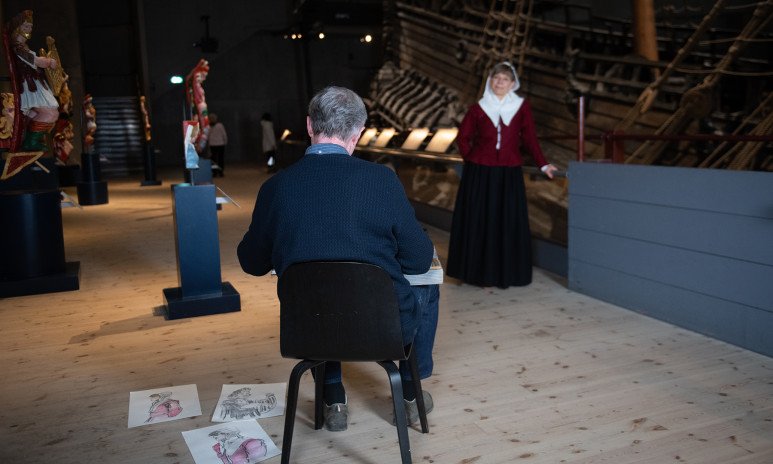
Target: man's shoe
x=336, y=416
x=412, y=409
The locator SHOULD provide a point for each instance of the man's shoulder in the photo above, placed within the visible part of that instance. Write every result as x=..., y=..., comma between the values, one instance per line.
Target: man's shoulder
x=333, y=166
x=370, y=165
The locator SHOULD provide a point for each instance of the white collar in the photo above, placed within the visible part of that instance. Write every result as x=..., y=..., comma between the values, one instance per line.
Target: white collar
x=504, y=108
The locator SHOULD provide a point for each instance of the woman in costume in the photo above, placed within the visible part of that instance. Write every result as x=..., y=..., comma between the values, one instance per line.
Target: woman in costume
x=490, y=243
x=37, y=101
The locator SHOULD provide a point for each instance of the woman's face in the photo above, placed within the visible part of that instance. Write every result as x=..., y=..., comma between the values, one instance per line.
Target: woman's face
x=501, y=84
x=25, y=31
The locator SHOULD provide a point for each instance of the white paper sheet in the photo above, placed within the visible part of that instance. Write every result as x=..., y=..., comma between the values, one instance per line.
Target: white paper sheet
x=239, y=442
x=163, y=405
x=248, y=401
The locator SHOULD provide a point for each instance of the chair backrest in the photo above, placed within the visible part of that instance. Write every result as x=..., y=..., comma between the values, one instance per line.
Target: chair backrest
x=339, y=311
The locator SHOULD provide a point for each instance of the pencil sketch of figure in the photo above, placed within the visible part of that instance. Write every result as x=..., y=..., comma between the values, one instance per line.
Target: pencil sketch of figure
x=240, y=404
x=163, y=407
x=233, y=448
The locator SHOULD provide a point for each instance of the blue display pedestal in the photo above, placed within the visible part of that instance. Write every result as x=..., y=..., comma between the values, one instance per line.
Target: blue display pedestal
x=150, y=167
x=33, y=258
x=70, y=175
x=201, y=291
x=202, y=175
x=92, y=190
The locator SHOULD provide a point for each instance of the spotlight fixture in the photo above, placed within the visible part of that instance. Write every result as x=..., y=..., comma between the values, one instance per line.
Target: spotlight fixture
x=176, y=80
x=207, y=44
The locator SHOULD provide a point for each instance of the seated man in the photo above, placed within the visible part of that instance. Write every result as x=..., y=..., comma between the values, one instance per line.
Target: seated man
x=330, y=206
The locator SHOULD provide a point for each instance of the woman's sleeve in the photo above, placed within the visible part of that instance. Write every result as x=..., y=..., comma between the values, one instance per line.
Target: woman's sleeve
x=529, y=136
x=465, y=134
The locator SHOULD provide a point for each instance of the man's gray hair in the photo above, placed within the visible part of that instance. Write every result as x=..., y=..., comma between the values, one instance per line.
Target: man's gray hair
x=337, y=112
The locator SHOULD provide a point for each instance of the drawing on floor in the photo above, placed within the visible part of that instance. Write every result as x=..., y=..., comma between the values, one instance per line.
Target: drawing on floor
x=239, y=442
x=163, y=404
x=239, y=402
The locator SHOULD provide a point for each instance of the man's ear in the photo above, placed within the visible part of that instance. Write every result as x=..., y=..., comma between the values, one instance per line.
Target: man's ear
x=356, y=138
x=308, y=127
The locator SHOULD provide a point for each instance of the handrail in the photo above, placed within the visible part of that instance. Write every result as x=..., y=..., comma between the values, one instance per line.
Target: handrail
x=442, y=157
x=426, y=155
x=611, y=140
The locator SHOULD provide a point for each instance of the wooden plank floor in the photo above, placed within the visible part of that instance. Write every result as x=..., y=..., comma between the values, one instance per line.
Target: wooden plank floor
x=535, y=375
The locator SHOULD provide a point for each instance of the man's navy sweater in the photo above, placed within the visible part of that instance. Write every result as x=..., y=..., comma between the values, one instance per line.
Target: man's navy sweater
x=333, y=207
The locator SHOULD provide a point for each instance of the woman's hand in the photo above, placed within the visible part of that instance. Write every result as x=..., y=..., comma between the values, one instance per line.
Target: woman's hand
x=549, y=170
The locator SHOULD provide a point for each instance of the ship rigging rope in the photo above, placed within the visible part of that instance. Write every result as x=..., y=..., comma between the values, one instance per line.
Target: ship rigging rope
x=732, y=39
x=696, y=102
x=713, y=161
x=647, y=96
x=741, y=7
x=724, y=71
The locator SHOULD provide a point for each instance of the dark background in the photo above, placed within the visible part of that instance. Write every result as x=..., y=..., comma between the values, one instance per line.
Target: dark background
x=133, y=47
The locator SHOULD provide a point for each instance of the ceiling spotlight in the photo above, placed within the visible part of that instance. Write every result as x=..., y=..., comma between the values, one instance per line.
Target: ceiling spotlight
x=176, y=80
x=321, y=35
x=368, y=38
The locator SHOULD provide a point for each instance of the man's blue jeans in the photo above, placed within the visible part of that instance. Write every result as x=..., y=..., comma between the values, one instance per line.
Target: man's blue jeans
x=428, y=297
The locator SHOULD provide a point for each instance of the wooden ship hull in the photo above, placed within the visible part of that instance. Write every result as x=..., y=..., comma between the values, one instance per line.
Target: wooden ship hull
x=692, y=71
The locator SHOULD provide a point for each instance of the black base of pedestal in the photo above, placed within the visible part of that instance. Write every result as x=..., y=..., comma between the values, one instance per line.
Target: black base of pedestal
x=92, y=193
x=65, y=282
x=69, y=176
x=146, y=183
x=178, y=307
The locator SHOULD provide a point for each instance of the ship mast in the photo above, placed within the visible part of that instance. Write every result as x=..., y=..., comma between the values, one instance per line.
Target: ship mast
x=645, y=41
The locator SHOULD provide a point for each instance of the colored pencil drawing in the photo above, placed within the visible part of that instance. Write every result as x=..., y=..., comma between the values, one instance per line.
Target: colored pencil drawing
x=163, y=404
x=238, y=442
x=234, y=448
x=239, y=402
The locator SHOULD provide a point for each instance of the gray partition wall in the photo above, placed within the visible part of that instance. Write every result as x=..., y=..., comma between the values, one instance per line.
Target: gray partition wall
x=693, y=247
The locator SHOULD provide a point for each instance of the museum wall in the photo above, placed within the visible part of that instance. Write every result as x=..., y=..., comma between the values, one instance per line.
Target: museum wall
x=254, y=70
x=132, y=47
x=687, y=246
x=244, y=79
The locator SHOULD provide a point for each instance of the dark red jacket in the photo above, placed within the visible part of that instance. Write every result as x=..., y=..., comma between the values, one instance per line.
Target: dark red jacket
x=477, y=138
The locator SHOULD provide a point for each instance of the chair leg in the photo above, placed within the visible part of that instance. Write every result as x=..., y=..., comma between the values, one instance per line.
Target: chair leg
x=292, y=404
x=413, y=365
x=319, y=396
x=399, y=409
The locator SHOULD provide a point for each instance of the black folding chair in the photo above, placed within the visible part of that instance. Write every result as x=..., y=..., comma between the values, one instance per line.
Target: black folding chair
x=343, y=311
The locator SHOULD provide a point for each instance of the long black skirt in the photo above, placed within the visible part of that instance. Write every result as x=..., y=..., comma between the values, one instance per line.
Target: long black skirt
x=490, y=243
